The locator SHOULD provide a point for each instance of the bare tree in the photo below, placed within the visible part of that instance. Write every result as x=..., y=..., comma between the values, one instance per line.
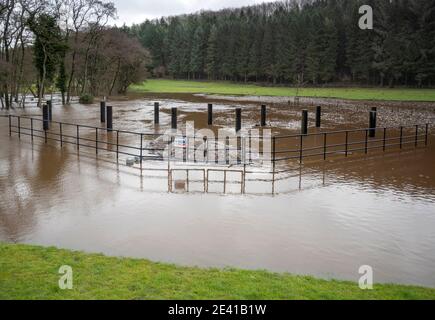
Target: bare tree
x=15, y=37
x=78, y=16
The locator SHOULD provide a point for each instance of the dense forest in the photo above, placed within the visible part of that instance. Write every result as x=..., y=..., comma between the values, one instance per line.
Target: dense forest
x=298, y=42
x=66, y=46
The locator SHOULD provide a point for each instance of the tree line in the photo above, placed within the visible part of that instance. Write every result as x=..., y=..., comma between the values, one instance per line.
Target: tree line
x=66, y=46
x=297, y=42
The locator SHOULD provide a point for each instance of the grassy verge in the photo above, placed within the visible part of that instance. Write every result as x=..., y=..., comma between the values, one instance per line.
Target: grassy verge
x=228, y=88
x=30, y=272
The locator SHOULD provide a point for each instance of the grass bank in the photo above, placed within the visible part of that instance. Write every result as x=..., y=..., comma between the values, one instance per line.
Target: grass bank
x=228, y=88
x=31, y=272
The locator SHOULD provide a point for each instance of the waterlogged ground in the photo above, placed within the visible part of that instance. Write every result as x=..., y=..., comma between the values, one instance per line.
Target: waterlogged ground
x=326, y=219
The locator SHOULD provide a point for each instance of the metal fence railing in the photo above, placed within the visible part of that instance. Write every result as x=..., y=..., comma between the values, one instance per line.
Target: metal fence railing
x=348, y=141
x=237, y=150
x=238, y=156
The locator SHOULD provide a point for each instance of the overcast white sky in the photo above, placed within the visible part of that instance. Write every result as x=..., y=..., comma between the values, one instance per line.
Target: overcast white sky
x=137, y=11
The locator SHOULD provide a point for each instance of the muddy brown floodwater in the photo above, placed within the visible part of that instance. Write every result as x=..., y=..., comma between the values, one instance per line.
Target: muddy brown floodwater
x=328, y=218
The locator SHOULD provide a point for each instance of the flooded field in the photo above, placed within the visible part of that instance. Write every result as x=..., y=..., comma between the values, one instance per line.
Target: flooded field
x=326, y=218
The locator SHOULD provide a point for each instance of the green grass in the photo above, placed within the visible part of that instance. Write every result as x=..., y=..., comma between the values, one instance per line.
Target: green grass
x=228, y=88
x=31, y=272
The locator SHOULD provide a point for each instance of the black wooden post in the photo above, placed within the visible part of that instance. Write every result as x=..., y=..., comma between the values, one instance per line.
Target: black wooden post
x=10, y=125
x=109, y=118
x=45, y=118
x=103, y=111
x=318, y=116
x=174, y=118
x=416, y=135
x=426, y=134
x=210, y=114
x=50, y=110
x=304, y=127
x=263, y=115
x=238, y=119
x=19, y=127
x=156, y=113
x=372, y=124
x=384, y=143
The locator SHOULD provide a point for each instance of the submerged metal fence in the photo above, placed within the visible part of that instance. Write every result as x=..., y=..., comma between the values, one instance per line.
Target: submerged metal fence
x=283, y=147
x=391, y=137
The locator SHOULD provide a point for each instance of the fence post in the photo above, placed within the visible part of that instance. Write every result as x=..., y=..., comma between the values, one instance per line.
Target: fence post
x=10, y=125
x=216, y=150
x=60, y=132
x=102, y=111
x=318, y=116
x=172, y=148
x=19, y=127
x=194, y=148
x=401, y=137
x=372, y=124
x=117, y=144
x=347, y=144
x=301, y=150
x=238, y=119
x=205, y=143
x=96, y=140
x=263, y=115
x=45, y=118
x=250, y=147
x=141, y=150
x=174, y=118
x=426, y=135
x=186, y=149
x=384, y=146
x=416, y=135
x=227, y=156
x=31, y=128
x=78, y=138
x=304, y=128
x=210, y=114
x=243, y=146
x=324, y=145
x=367, y=142
x=273, y=163
x=109, y=118
x=50, y=110
x=156, y=113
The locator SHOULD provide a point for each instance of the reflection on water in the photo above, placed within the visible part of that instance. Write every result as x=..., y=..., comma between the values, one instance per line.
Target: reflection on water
x=330, y=218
